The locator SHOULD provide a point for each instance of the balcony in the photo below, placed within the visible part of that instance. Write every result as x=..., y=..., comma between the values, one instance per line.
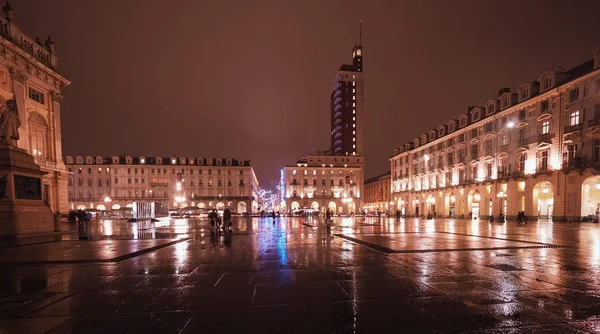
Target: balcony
x=489, y=151
x=523, y=141
x=504, y=147
x=545, y=138
x=542, y=168
x=594, y=122
x=18, y=38
x=573, y=128
x=159, y=185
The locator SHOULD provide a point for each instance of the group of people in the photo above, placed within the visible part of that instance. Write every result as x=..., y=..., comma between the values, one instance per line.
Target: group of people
x=216, y=222
x=80, y=216
x=521, y=218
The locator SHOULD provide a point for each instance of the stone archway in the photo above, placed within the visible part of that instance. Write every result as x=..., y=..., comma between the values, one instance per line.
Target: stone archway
x=543, y=200
x=100, y=207
x=116, y=207
x=315, y=206
x=451, y=204
x=81, y=207
x=474, y=203
x=590, y=196
x=332, y=207
x=295, y=205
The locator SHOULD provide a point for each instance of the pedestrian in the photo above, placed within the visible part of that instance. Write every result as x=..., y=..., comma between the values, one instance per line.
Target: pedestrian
x=226, y=219
x=273, y=215
x=397, y=214
x=327, y=217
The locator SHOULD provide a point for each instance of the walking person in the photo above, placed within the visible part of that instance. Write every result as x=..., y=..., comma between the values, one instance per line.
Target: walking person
x=227, y=220
x=327, y=217
x=397, y=214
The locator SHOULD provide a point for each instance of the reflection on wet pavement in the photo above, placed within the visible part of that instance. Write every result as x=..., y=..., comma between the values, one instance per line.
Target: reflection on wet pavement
x=295, y=275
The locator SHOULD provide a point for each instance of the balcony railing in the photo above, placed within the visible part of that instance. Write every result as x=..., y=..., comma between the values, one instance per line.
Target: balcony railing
x=523, y=141
x=545, y=137
x=573, y=128
x=17, y=37
x=158, y=185
x=594, y=121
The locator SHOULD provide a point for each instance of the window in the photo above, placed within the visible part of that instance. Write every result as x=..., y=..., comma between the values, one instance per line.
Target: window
x=90, y=182
x=523, y=136
x=547, y=83
x=573, y=94
x=474, y=150
x=89, y=171
x=474, y=133
x=100, y=182
x=241, y=182
x=36, y=95
x=504, y=140
x=544, y=105
x=569, y=154
x=229, y=183
x=522, y=159
x=488, y=127
x=544, y=160
x=79, y=170
x=476, y=116
x=574, y=118
x=597, y=85
x=474, y=172
x=116, y=180
x=546, y=127
x=491, y=109
x=596, y=150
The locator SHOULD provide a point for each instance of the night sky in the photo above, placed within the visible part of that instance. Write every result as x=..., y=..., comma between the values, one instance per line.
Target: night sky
x=250, y=79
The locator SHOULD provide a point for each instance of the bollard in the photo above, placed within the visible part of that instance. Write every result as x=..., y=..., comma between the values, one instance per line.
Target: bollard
x=57, y=218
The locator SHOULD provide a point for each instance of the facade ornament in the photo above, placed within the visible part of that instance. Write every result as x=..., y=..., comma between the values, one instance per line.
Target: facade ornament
x=18, y=75
x=50, y=44
x=9, y=123
x=9, y=12
x=56, y=96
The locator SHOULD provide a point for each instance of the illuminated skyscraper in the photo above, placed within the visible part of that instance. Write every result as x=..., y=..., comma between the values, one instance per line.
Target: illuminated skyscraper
x=347, y=104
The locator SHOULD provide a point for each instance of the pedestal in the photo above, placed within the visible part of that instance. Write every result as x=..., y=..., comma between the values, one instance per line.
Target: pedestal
x=22, y=210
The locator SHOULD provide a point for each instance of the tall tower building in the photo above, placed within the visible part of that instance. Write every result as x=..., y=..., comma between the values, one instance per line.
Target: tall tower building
x=347, y=105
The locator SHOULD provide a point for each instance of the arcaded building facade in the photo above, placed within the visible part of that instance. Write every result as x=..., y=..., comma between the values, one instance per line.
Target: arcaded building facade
x=536, y=149
x=322, y=182
x=378, y=193
x=29, y=74
x=106, y=183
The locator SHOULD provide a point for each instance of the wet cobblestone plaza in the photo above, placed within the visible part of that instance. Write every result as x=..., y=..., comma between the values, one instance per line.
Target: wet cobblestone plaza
x=296, y=276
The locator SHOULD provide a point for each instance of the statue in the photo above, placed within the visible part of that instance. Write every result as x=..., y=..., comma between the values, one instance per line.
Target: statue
x=9, y=123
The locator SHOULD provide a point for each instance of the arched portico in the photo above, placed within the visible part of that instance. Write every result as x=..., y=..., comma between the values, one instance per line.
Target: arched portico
x=543, y=199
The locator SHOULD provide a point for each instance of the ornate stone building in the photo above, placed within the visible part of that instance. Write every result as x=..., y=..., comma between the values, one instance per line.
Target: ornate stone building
x=536, y=149
x=29, y=74
x=170, y=182
x=377, y=193
x=319, y=182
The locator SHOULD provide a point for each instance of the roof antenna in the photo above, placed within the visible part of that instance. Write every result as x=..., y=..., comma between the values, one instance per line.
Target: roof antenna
x=360, y=33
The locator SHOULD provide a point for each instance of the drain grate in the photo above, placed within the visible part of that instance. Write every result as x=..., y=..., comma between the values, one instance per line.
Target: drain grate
x=504, y=267
x=13, y=302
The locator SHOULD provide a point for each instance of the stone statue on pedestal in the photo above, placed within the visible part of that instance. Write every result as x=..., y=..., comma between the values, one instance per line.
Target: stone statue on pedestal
x=9, y=123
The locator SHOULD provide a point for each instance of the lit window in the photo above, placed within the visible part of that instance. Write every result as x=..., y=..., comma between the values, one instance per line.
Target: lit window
x=353, y=104
x=353, y=83
x=545, y=127
x=354, y=111
x=353, y=97
x=353, y=146
x=353, y=139
x=574, y=118
x=353, y=90
x=353, y=132
x=354, y=118
x=353, y=125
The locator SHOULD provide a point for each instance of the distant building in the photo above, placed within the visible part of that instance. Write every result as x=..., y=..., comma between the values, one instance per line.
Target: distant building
x=322, y=182
x=347, y=106
x=29, y=74
x=104, y=183
x=536, y=149
x=377, y=192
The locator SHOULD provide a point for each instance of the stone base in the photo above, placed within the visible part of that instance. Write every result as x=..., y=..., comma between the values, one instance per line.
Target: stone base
x=22, y=210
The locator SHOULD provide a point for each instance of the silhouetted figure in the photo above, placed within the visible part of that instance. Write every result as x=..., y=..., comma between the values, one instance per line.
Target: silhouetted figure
x=226, y=219
x=397, y=214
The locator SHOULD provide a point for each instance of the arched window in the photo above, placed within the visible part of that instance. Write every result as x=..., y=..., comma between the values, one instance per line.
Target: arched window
x=38, y=132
